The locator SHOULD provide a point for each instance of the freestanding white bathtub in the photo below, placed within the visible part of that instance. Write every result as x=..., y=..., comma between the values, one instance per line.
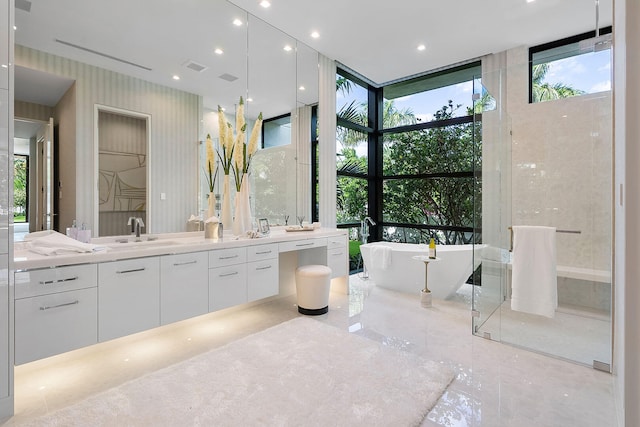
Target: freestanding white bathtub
x=404, y=274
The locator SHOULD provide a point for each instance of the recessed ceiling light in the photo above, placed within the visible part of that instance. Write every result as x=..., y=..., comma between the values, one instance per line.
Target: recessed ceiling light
x=315, y=34
x=15, y=28
x=301, y=88
x=249, y=99
x=265, y=3
x=176, y=77
x=237, y=22
x=530, y=1
x=421, y=47
x=288, y=48
x=218, y=51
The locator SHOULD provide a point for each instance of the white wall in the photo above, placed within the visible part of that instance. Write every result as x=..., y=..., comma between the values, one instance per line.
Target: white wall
x=561, y=167
x=627, y=206
x=174, y=136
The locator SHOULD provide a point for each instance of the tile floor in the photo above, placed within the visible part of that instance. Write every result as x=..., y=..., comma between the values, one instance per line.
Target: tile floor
x=496, y=385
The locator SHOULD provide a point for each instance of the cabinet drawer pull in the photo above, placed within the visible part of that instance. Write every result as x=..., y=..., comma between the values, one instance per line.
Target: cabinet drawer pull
x=263, y=252
x=50, y=282
x=338, y=254
x=47, y=307
x=263, y=268
x=185, y=263
x=304, y=244
x=228, y=274
x=131, y=271
x=228, y=257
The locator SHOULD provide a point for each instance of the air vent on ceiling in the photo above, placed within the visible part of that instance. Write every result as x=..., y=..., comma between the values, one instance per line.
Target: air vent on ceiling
x=192, y=65
x=23, y=5
x=228, y=77
x=95, y=52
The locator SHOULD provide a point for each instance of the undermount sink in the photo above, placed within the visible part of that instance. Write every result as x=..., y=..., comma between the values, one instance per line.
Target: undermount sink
x=132, y=244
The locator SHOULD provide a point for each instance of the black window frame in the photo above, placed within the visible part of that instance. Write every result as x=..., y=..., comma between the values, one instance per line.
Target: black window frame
x=559, y=43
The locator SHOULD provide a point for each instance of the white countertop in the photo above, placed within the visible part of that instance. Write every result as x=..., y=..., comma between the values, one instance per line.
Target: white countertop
x=164, y=244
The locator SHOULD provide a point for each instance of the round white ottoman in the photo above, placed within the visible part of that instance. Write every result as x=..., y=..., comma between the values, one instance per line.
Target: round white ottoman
x=312, y=287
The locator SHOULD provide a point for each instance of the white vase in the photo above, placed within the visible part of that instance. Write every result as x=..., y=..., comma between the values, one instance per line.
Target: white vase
x=225, y=216
x=242, y=211
x=211, y=208
x=247, y=224
x=238, y=222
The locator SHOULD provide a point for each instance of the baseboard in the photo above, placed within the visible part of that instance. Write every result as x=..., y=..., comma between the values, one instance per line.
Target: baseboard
x=6, y=408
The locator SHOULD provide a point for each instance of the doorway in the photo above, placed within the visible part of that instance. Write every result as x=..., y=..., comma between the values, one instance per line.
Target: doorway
x=35, y=163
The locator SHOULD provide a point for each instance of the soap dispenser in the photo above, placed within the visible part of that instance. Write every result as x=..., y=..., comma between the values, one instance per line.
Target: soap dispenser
x=432, y=249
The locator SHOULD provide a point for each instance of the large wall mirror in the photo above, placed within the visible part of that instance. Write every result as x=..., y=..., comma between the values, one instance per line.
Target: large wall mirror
x=124, y=56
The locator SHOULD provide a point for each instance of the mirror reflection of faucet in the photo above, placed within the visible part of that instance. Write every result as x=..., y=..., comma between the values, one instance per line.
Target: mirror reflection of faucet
x=136, y=224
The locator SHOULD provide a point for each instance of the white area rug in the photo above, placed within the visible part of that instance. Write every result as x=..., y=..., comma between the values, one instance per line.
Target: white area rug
x=299, y=373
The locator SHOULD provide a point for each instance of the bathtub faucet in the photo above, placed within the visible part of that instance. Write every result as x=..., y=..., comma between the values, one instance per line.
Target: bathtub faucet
x=364, y=228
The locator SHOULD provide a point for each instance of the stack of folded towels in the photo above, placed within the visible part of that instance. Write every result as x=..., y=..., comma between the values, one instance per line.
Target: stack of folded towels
x=53, y=243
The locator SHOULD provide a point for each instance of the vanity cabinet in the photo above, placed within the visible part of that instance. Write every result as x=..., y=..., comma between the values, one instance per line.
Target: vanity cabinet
x=184, y=290
x=262, y=271
x=128, y=297
x=338, y=256
x=227, y=278
x=56, y=310
x=62, y=308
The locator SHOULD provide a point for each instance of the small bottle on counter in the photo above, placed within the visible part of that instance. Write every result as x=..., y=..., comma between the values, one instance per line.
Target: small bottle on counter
x=432, y=249
x=73, y=230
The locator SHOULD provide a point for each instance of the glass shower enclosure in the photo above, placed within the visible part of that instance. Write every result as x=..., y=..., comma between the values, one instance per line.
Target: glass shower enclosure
x=545, y=164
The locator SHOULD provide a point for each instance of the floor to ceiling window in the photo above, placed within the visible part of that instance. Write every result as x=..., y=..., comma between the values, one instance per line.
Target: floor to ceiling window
x=406, y=157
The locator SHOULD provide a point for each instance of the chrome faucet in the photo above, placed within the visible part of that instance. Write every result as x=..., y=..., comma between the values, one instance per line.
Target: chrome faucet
x=136, y=224
x=132, y=224
x=364, y=228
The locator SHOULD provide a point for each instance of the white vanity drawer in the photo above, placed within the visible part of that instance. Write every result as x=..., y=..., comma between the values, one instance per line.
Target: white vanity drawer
x=51, y=280
x=227, y=286
x=338, y=261
x=129, y=297
x=53, y=324
x=336, y=242
x=184, y=286
x=302, y=244
x=262, y=279
x=260, y=252
x=230, y=256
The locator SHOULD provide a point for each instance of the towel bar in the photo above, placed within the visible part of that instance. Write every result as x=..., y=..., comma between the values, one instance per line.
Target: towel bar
x=510, y=228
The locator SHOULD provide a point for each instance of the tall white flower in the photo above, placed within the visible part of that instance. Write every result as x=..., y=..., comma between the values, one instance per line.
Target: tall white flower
x=210, y=167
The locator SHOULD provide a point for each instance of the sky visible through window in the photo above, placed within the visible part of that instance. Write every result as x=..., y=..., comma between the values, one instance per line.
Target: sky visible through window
x=423, y=105
x=590, y=72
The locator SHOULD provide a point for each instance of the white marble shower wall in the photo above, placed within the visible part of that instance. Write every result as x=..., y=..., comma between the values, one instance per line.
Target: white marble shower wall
x=561, y=168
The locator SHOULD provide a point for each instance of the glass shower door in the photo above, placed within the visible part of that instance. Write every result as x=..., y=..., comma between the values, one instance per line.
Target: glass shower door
x=491, y=162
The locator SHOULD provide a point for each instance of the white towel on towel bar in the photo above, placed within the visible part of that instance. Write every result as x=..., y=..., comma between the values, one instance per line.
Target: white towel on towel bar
x=381, y=256
x=534, y=279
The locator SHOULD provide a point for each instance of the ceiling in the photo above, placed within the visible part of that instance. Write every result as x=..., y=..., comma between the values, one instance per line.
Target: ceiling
x=376, y=39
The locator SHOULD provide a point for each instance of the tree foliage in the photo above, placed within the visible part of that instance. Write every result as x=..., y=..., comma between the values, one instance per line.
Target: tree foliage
x=543, y=91
x=20, y=183
x=441, y=201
